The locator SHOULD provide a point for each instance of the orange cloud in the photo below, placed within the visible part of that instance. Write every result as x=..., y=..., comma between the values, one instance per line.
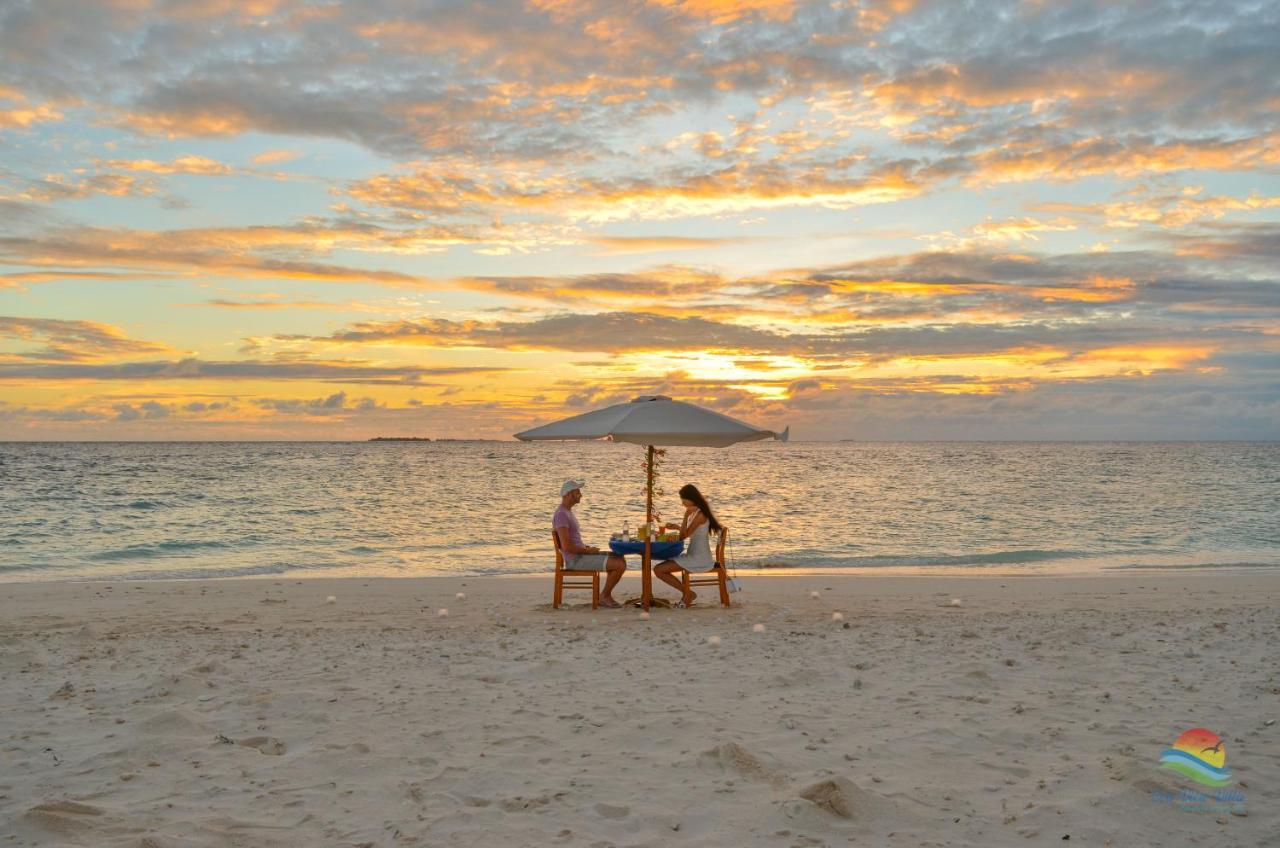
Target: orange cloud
x=241, y=11
x=55, y=187
x=1017, y=162
x=249, y=252
x=1095, y=289
x=620, y=245
x=999, y=232
x=274, y=157
x=1041, y=364
x=726, y=11
x=1137, y=359
x=732, y=189
x=185, y=123
x=1167, y=210
x=979, y=86
x=60, y=340
x=1020, y=229
x=22, y=117
x=200, y=165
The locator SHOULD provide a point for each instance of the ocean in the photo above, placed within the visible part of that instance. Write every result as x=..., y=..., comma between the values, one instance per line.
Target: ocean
x=137, y=511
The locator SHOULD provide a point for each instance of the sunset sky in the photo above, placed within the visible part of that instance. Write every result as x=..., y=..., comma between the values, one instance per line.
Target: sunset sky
x=250, y=219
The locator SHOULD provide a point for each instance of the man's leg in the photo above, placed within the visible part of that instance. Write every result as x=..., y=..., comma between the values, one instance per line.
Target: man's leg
x=615, y=566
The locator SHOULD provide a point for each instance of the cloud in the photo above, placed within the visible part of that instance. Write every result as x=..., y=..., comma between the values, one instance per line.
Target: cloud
x=57, y=187
x=38, y=416
x=222, y=303
x=274, y=157
x=18, y=277
x=525, y=125
x=622, y=245
x=612, y=332
x=1168, y=209
x=248, y=252
x=727, y=11
x=1126, y=156
x=502, y=139
x=189, y=164
x=559, y=81
x=331, y=405
x=149, y=410
x=958, y=322
x=1255, y=245
x=58, y=340
x=737, y=187
x=18, y=112
x=197, y=369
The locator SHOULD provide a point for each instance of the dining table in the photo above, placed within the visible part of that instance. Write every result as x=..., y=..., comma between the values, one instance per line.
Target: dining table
x=657, y=551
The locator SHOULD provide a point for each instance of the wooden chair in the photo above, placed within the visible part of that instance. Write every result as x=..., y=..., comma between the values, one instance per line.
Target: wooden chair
x=717, y=576
x=570, y=579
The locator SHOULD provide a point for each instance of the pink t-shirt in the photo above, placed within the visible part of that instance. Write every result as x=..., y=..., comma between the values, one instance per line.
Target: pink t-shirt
x=565, y=518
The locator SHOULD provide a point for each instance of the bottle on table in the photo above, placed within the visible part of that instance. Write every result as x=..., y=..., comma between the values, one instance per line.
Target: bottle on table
x=626, y=531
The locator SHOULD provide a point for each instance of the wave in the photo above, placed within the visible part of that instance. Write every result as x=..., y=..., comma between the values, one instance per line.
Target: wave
x=155, y=550
x=1174, y=566
x=266, y=569
x=888, y=561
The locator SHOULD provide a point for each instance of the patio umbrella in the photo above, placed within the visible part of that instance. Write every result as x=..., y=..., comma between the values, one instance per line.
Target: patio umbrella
x=653, y=421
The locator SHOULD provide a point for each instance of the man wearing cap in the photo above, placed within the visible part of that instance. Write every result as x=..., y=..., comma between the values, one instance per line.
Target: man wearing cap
x=580, y=557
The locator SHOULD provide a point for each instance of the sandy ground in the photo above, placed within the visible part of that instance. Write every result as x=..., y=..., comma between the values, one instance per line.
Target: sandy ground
x=255, y=713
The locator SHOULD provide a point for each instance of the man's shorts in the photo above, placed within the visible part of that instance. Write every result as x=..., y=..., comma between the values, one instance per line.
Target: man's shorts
x=586, y=562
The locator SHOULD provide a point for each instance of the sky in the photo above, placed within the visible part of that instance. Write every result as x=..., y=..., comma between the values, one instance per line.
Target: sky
x=888, y=219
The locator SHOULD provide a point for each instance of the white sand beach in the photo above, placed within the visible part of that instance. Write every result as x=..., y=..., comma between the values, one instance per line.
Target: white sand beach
x=256, y=713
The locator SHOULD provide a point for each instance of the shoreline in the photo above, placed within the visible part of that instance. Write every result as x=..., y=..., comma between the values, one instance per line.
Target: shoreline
x=1037, y=570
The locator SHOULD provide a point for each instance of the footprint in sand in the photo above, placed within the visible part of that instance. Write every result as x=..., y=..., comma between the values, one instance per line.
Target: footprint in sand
x=265, y=745
x=835, y=796
x=63, y=817
x=172, y=723
x=732, y=757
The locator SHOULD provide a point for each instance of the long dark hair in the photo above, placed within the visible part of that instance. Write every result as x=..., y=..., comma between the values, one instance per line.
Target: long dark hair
x=690, y=493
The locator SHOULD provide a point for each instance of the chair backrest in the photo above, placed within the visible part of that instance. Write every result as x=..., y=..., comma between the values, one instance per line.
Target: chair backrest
x=724, y=537
x=555, y=543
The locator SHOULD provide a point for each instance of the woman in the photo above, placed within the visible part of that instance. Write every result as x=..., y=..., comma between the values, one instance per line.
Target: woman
x=698, y=522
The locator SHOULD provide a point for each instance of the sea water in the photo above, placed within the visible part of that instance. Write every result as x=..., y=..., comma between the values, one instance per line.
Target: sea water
x=93, y=511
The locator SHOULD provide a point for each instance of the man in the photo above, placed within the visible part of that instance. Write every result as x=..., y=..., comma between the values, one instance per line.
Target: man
x=580, y=557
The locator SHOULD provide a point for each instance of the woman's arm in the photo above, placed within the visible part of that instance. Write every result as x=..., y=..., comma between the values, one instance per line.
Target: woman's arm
x=692, y=523
x=684, y=519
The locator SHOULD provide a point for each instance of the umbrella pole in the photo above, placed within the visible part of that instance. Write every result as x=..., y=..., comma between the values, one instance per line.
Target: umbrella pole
x=646, y=561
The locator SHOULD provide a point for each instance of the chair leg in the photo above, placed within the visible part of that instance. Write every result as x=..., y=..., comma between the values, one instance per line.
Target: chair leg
x=724, y=589
x=595, y=591
x=557, y=594
x=686, y=589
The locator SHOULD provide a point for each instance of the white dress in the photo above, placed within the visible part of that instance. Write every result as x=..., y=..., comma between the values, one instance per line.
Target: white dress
x=697, y=552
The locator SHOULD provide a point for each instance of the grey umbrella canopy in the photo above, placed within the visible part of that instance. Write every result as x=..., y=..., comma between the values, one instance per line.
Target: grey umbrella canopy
x=653, y=421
